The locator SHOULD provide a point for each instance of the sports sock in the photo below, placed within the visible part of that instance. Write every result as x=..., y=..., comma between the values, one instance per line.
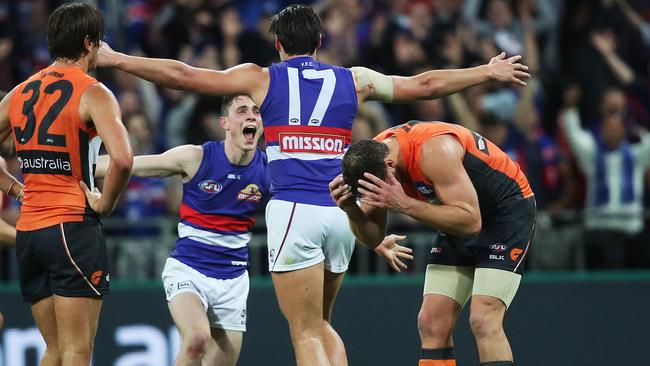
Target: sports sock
x=437, y=357
x=498, y=363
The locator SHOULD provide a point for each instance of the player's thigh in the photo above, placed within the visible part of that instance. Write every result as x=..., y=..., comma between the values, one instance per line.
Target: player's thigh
x=44, y=316
x=33, y=272
x=300, y=295
x=224, y=348
x=332, y=284
x=227, y=302
x=295, y=235
x=76, y=320
x=339, y=243
x=186, y=298
x=451, y=285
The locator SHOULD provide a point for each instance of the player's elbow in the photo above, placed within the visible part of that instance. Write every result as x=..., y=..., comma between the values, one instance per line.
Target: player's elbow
x=123, y=162
x=474, y=225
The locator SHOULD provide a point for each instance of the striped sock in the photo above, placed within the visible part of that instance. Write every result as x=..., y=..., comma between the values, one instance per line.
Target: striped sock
x=437, y=357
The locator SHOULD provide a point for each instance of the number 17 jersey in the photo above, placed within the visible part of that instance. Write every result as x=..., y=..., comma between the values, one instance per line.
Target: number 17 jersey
x=307, y=115
x=55, y=148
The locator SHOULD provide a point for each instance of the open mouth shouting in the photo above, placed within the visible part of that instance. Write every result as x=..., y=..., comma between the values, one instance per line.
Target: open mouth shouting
x=249, y=133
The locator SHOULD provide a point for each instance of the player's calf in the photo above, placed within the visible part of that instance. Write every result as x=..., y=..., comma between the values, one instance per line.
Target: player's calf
x=486, y=322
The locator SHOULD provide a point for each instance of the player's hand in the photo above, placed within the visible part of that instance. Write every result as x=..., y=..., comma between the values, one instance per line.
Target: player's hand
x=508, y=69
x=94, y=198
x=342, y=194
x=387, y=194
x=394, y=253
x=105, y=55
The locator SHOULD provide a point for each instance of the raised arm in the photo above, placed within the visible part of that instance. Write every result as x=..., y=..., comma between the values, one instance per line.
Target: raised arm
x=181, y=160
x=372, y=85
x=248, y=79
x=99, y=105
x=458, y=212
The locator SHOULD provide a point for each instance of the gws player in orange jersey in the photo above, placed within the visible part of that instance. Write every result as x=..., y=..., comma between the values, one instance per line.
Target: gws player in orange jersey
x=307, y=109
x=457, y=182
x=59, y=117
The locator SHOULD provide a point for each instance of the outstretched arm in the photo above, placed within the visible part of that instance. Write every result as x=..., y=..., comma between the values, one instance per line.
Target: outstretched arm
x=181, y=160
x=432, y=84
x=457, y=214
x=248, y=79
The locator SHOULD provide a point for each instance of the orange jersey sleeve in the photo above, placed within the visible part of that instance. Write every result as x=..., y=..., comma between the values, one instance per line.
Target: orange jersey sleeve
x=494, y=175
x=55, y=148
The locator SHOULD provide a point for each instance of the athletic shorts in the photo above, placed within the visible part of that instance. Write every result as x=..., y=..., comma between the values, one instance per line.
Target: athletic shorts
x=302, y=235
x=502, y=243
x=223, y=300
x=67, y=259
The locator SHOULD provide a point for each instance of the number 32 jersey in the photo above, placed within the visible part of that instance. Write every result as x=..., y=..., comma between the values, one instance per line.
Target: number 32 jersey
x=55, y=148
x=307, y=115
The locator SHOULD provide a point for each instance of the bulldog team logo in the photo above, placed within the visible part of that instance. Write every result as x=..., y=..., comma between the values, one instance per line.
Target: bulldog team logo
x=251, y=193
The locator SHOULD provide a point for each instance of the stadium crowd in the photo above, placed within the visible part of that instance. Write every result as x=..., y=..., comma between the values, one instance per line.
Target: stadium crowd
x=578, y=129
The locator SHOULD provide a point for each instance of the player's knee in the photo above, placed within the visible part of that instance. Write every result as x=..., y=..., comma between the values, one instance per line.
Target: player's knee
x=196, y=344
x=307, y=329
x=434, y=326
x=485, y=324
x=52, y=355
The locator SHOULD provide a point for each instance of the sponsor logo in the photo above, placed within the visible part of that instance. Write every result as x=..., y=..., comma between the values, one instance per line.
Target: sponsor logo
x=481, y=143
x=499, y=248
x=312, y=143
x=44, y=162
x=96, y=277
x=496, y=257
x=234, y=176
x=185, y=284
x=108, y=277
x=210, y=186
x=250, y=194
x=169, y=289
x=271, y=255
x=239, y=263
x=424, y=189
x=436, y=250
x=515, y=253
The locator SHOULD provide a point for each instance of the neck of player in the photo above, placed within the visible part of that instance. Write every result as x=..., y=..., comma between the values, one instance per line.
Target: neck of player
x=81, y=63
x=236, y=155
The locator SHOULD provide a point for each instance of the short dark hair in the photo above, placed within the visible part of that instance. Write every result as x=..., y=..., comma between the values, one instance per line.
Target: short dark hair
x=227, y=101
x=298, y=28
x=68, y=27
x=364, y=156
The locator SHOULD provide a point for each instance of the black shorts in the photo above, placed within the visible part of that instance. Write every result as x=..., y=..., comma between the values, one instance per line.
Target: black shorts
x=502, y=243
x=66, y=259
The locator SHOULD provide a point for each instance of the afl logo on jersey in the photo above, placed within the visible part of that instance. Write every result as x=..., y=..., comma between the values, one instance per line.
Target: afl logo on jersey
x=251, y=193
x=210, y=186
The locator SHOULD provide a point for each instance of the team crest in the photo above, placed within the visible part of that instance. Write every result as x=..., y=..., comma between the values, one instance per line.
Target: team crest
x=251, y=193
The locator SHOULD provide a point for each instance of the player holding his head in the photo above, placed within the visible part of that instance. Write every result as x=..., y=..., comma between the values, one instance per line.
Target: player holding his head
x=457, y=182
x=59, y=118
x=206, y=281
x=308, y=108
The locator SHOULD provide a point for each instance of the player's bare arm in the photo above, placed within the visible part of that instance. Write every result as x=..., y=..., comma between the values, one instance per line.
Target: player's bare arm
x=369, y=226
x=99, y=105
x=458, y=212
x=8, y=183
x=372, y=85
x=181, y=160
x=248, y=79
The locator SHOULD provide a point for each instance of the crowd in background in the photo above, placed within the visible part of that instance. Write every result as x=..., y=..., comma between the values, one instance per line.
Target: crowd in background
x=577, y=130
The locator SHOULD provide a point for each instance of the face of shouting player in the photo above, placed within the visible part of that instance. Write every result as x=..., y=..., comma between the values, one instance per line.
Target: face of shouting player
x=243, y=124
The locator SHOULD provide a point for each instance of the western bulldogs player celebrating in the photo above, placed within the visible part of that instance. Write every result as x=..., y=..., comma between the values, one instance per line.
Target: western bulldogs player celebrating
x=308, y=108
x=205, y=279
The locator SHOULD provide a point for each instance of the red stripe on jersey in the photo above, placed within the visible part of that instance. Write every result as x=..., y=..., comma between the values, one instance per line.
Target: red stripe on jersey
x=216, y=222
x=271, y=133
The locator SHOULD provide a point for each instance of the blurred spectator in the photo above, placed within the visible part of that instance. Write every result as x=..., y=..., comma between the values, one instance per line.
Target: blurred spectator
x=614, y=170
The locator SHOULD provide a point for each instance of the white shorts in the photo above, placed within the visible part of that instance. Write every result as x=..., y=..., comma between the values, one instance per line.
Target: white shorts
x=302, y=235
x=223, y=300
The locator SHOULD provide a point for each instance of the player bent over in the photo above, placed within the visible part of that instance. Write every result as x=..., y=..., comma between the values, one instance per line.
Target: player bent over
x=457, y=182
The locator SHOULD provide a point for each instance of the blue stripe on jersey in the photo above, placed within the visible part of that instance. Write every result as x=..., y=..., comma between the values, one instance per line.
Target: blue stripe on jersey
x=305, y=92
x=211, y=260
